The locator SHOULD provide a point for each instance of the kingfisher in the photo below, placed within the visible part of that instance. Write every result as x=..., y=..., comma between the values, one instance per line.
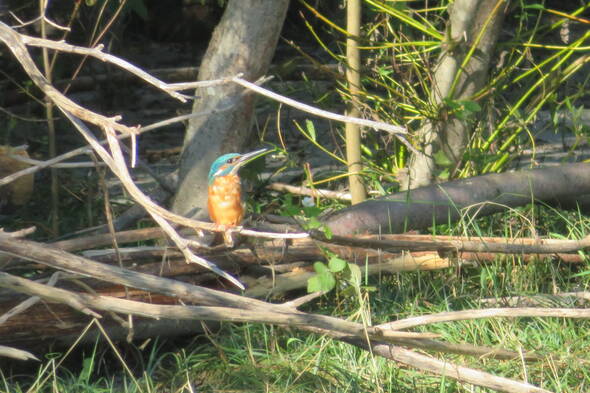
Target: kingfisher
x=225, y=201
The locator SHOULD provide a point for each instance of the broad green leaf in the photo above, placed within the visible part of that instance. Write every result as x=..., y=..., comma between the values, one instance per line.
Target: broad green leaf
x=452, y=104
x=471, y=106
x=327, y=280
x=314, y=284
x=311, y=211
x=337, y=264
x=321, y=282
x=320, y=268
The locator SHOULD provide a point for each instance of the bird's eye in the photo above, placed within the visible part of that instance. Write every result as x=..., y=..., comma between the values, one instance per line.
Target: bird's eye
x=231, y=160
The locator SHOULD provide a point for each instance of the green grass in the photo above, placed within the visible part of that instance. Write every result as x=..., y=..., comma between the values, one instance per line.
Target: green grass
x=262, y=358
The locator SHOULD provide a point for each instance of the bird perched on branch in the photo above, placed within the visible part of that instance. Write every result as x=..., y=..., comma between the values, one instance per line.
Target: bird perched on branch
x=225, y=199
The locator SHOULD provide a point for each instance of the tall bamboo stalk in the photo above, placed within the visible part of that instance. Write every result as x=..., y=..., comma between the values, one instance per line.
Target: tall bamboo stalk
x=353, y=77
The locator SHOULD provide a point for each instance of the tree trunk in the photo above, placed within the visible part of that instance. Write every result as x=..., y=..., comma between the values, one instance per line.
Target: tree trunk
x=243, y=42
x=467, y=19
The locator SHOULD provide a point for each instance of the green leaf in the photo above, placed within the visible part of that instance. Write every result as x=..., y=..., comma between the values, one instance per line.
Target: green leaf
x=312, y=211
x=310, y=129
x=336, y=264
x=452, y=104
x=320, y=268
x=535, y=6
x=471, y=106
x=327, y=232
x=441, y=159
x=314, y=284
x=321, y=282
x=355, y=274
x=313, y=223
x=444, y=174
x=289, y=209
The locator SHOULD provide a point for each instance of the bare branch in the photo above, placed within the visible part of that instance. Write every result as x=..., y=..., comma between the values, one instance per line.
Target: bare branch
x=397, y=243
x=15, y=43
x=486, y=313
x=441, y=367
x=312, y=192
x=18, y=354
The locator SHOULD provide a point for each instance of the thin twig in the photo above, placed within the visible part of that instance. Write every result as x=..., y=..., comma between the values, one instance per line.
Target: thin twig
x=86, y=149
x=393, y=129
x=312, y=192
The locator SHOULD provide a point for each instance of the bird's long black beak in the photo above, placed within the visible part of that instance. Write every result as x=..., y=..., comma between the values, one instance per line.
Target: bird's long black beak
x=246, y=158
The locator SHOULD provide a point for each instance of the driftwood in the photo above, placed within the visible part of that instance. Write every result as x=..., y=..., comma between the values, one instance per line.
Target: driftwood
x=565, y=186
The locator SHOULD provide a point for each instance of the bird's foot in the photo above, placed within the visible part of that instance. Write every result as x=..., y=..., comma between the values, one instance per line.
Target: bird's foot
x=228, y=239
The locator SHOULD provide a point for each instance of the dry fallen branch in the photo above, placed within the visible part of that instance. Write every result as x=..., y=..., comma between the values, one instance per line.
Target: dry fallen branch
x=487, y=313
x=350, y=332
x=312, y=192
x=465, y=199
x=30, y=302
x=459, y=373
x=565, y=299
x=18, y=354
x=397, y=243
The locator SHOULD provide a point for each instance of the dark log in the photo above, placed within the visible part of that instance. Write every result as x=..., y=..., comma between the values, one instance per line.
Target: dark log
x=50, y=323
x=565, y=186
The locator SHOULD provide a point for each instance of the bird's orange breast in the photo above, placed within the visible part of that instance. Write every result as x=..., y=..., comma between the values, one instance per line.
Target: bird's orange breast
x=225, y=201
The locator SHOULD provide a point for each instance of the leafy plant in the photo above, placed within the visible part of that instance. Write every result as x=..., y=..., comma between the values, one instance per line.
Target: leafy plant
x=337, y=271
x=402, y=44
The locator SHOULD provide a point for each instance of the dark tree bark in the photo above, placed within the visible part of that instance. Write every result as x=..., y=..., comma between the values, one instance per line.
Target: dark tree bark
x=243, y=42
x=564, y=186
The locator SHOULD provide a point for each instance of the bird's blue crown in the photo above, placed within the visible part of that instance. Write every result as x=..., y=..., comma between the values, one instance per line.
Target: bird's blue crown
x=219, y=163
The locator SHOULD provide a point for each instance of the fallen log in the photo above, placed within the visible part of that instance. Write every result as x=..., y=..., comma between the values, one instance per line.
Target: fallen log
x=564, y=186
